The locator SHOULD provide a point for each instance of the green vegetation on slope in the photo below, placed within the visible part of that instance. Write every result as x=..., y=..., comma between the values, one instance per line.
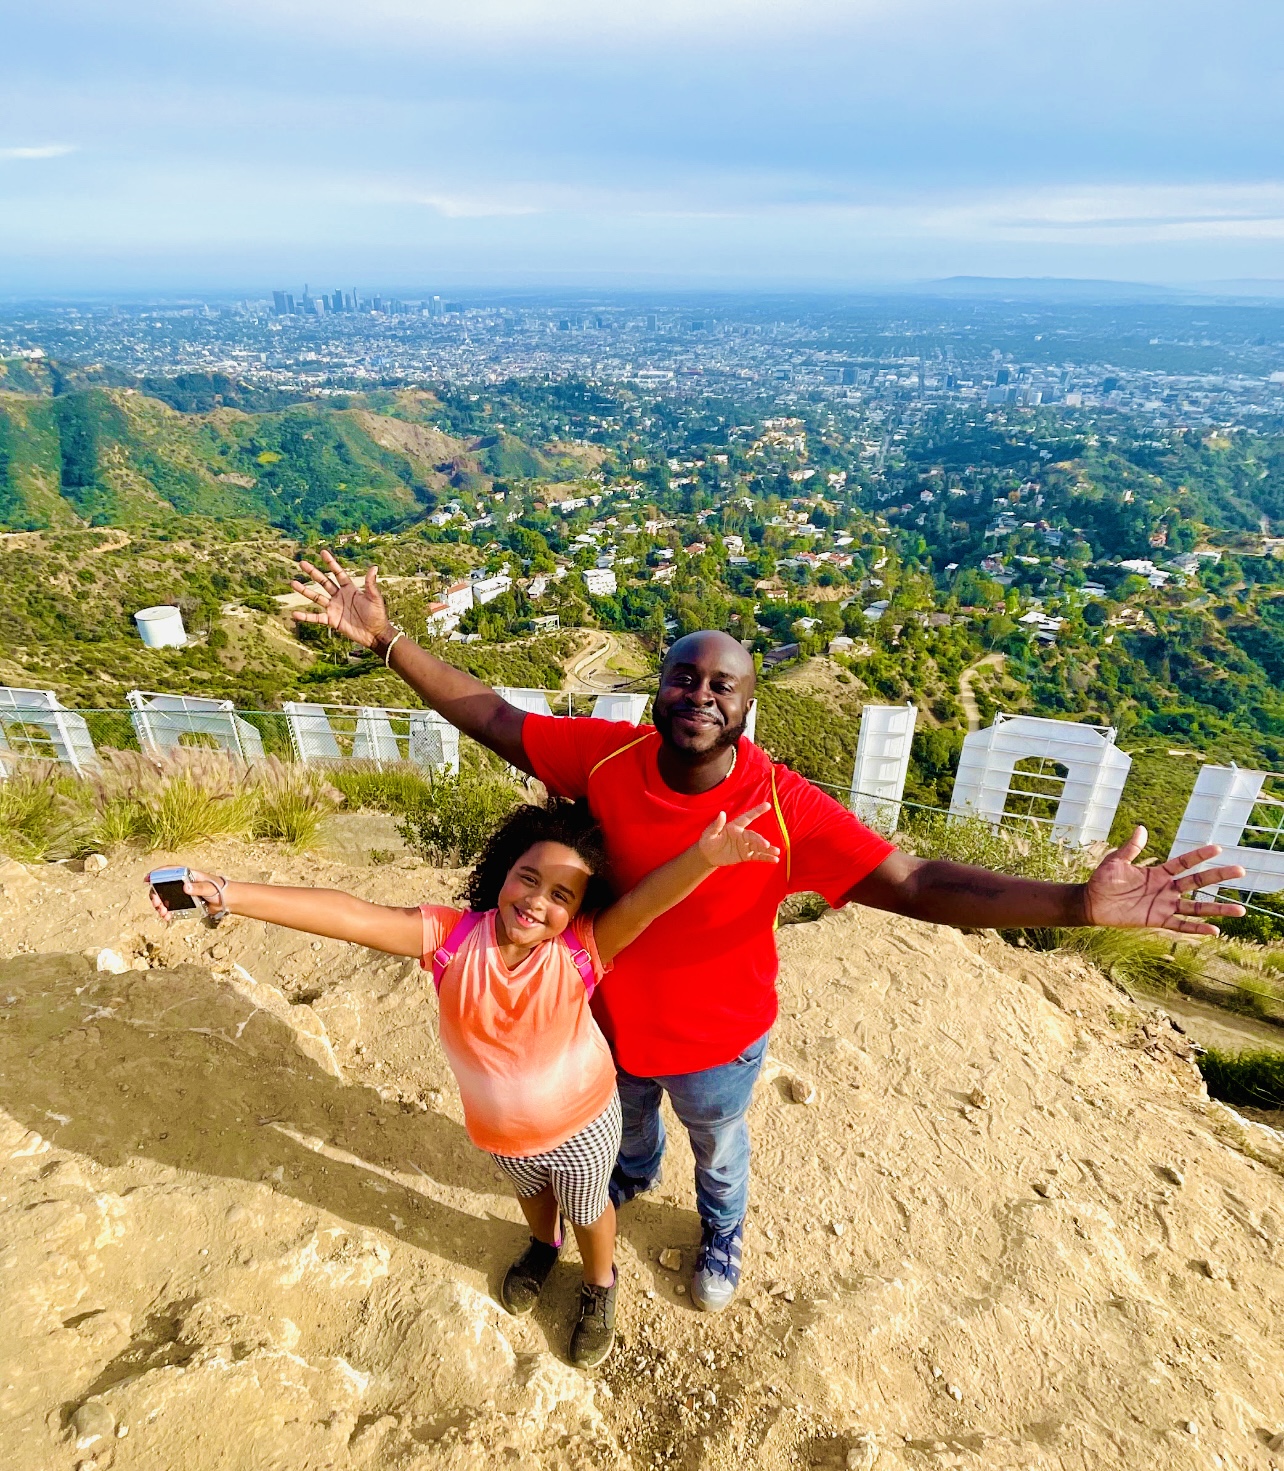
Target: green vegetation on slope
x=115, y=456
x=1251, y=1079
x=711, y=524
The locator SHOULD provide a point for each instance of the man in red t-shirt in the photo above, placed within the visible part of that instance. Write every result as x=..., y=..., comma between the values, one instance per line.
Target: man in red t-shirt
x=688, y=1007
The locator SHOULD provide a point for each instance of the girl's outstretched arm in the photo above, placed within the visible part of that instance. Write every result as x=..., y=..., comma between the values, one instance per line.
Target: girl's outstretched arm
x=722, y=843
x=327, y=912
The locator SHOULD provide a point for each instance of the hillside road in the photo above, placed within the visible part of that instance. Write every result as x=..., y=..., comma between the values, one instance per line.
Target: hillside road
x=587, y=671
x=966, y=698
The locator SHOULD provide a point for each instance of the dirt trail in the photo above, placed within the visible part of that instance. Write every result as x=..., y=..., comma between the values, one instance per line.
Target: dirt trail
x=588, y=671
x=1215, y=1026
x=966, y=698
x=241, y=1225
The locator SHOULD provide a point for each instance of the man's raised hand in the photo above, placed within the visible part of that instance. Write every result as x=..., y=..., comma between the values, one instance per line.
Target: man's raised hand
x=354, y=609
x=1122, y=895
x=723, y=843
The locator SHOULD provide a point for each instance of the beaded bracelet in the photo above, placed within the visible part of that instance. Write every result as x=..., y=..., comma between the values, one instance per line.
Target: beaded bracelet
x=387, y=653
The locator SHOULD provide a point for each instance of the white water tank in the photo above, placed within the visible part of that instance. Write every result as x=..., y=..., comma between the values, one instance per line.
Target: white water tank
x=161, y=627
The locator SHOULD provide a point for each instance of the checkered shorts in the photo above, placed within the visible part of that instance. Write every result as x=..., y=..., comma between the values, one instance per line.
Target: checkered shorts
x=578, y=1170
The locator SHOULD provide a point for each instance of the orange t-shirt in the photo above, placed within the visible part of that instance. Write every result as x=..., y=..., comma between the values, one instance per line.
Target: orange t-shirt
x=533, y=1067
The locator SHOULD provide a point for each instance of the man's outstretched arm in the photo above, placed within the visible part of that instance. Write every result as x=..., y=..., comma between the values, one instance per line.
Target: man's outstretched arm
x=356, y=610
x=1119, y=893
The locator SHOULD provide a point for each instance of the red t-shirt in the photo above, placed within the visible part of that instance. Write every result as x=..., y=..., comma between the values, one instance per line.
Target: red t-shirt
x=699, y=984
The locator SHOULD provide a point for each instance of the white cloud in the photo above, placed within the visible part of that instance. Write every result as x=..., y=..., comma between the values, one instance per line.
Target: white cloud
x=1079, y=213
x=1105, y=213
x=459, y=207
x=1118, y=212
x=571, y=22
x=41, y=150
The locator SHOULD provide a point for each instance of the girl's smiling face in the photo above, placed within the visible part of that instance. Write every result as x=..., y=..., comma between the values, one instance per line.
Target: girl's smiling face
x=541, y=894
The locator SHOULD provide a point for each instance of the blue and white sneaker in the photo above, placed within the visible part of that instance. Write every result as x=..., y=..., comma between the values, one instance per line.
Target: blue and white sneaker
x=717, y=1268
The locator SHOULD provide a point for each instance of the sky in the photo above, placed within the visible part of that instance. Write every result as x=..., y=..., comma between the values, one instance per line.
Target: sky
x=237, y=145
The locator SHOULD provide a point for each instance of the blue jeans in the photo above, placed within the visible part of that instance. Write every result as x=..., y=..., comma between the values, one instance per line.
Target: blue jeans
x=712, y=1105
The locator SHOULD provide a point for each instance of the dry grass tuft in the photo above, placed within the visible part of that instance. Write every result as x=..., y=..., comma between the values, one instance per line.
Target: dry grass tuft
x=1142, y=960
x=190, y=797
x=1027, y=851
x=43, y=813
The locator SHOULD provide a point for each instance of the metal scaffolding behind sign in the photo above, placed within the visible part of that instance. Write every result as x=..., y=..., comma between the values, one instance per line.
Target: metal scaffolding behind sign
x=1094, y=768
x=882, y=764
x=35, y=723
x=161, y=722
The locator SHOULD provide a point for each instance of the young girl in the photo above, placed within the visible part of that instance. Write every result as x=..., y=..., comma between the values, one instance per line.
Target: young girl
x=514, y=973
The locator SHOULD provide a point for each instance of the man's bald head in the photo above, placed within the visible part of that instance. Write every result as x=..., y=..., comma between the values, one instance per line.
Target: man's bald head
x=728, y=653
x=706, y=686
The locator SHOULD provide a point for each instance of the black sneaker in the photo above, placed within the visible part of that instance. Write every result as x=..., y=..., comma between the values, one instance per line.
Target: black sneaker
x=624, y=1188
x=594, y=1334
x=526, y=1277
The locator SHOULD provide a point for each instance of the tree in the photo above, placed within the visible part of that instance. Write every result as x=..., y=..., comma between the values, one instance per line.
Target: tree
x=531, y=547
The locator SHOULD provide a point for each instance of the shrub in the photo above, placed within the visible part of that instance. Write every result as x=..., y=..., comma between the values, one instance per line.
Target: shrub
x=451, y=824
x=934, y=761
x=1026, y=852
x=195, y=795
x=808, y=733
x=1142, y=960
x=186, y=798
x=398, y=789
x=1147, y=960
x=1251, y=1079
x=42, y=813
x=1254, y=924
x=290, y=802
x=119, y=820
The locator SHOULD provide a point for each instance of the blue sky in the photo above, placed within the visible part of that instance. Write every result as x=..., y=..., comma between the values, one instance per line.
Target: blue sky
x=242, y=143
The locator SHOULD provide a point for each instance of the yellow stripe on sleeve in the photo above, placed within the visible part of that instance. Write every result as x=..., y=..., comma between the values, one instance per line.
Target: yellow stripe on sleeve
x=619, y=751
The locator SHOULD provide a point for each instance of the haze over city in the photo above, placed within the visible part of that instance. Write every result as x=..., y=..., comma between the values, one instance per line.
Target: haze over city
x=157, y=147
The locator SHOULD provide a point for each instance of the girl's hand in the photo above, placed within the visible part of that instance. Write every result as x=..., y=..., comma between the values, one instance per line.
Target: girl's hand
x=723, y=843
x=200, y=886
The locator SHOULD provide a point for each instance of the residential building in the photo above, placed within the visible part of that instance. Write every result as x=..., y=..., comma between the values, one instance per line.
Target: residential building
x=600, y=581
x=459, y=597
x=487, y=589
x=442, y=618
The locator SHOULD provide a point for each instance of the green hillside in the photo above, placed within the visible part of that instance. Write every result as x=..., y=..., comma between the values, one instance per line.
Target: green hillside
x=66, y=622
x=74, y=452
x=951, y=556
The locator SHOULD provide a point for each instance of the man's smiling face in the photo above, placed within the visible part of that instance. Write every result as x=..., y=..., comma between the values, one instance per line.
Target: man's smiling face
x=706, y=685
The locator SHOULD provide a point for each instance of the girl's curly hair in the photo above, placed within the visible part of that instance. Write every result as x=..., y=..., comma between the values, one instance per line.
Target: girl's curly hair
x=556, y=821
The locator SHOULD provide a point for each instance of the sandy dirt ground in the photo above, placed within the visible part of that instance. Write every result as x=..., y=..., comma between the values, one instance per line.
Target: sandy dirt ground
x=241, y=1225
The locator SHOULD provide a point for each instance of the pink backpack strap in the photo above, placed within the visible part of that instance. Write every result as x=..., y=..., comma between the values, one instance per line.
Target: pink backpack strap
x=454, y=943
x=583, y=963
